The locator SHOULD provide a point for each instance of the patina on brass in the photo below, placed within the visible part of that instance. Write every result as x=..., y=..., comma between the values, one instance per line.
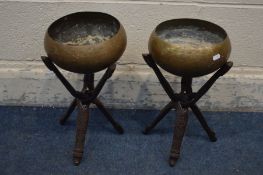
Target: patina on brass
x=85, y=42
x=189, y=47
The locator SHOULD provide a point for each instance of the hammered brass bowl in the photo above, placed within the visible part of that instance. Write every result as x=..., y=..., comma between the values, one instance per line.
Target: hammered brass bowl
x=85, y=42
x=189, y=47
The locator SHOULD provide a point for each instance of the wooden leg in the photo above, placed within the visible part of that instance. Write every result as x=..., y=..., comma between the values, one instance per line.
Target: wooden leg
x=82, y=125
x=161, y=115
x=71, y=108
x=88, y=82
x=108, y=116
x=201, y=119
x=179, y=130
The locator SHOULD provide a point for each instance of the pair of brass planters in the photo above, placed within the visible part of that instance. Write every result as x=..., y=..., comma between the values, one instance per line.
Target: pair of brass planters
x=88, y=42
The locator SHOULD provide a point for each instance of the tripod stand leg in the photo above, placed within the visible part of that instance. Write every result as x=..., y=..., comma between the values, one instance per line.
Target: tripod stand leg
x=71, y=108
x=108, y=116
x=179, y=130
x=160, y=116
x=82, y=125
x=201, y=119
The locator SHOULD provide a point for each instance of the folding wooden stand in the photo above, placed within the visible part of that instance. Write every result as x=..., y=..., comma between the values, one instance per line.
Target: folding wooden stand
x=181, y=102
x=83, y=100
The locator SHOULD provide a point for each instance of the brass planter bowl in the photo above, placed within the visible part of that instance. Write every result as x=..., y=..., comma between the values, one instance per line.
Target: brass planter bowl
x=189, y=47
x=85, y=42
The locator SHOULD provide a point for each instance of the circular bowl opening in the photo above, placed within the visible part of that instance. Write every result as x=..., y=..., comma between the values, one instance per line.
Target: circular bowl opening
x=192, y=32
x=84, y=28
x=189, y=47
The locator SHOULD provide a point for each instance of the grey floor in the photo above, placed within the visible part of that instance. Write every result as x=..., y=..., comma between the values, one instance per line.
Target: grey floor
x=33, y=142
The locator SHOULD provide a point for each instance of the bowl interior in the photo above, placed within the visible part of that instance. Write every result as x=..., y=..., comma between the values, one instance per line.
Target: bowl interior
x=84, y=28
x=193, y=32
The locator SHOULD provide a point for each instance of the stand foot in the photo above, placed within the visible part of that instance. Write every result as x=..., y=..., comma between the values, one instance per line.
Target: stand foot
x=77, y=157
x=76, y=161
x=71, y=108
x=179, y=130
x=201, y=119
x=108, y=116
x=82, y=125
x=146, y=130
x=161, y=115
x=212, y=137
x=173, y=159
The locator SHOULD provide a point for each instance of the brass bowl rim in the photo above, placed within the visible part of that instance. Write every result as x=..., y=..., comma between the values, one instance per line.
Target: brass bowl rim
x=188, y=19
x=87, y=45
x=83, y=12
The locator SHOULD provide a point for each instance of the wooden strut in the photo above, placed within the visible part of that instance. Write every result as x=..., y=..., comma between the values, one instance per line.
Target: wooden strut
x=181, y=102
x=82, y=100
